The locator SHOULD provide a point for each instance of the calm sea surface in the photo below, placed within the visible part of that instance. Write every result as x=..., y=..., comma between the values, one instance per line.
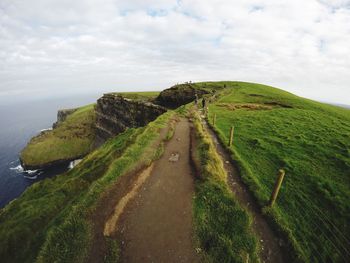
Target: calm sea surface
x=18, y=123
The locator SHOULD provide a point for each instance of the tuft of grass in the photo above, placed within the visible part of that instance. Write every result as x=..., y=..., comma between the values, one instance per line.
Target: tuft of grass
x=113, y=251
x=222, y=226
x=142, y=95
x=72, y=139
x=311, y=141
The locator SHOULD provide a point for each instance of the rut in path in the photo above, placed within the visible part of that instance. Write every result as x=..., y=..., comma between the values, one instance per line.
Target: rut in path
x=156, y=224
x=271, y=246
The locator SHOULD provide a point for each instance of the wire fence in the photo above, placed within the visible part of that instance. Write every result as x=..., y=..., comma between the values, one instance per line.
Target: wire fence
x=323, y=237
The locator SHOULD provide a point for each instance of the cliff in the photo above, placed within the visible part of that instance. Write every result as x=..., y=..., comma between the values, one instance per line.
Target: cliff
x=179, y=95
x=62, y=116
x=114, y=114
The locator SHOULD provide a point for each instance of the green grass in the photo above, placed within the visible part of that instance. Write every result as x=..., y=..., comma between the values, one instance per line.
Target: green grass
x=222, y=226
x=311, y=141
x=72, y=139
x=24, y=222
x=142, y=95
x=50, y=219
x=70, y=240
x=113, y=251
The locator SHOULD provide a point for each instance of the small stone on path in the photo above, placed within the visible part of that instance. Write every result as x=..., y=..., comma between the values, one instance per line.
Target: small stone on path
x=174, y=157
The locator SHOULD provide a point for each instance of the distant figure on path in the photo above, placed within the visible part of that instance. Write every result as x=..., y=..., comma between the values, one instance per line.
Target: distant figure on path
x=203, y=103
x=196, y=99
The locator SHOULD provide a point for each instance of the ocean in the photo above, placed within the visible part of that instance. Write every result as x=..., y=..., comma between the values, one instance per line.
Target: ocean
x=19, y=121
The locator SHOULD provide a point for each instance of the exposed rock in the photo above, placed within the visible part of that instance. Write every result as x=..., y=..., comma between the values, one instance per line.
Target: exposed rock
x=62, y=115
x=174, y=157
x=48, y=165
x=74, y=163
x=179, y=95
x=114, y=114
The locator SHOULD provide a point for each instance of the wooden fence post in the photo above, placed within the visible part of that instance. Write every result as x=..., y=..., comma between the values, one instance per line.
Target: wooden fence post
x=214, y=119
x=277, y=187
x=231, y=135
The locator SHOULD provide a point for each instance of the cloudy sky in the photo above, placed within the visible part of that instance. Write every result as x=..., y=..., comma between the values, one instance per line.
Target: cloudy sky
x=51, y=47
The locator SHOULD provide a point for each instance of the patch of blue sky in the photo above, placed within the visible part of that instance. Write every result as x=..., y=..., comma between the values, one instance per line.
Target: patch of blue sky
x=321, y=45
x=193, y=16
x=157, y=12
x=217, y=41
x=256, y=8
x=126, y=12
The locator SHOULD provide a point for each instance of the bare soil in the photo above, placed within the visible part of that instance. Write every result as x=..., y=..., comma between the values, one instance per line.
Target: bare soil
x=107, y=205
x=104, y=211
x=156, y=225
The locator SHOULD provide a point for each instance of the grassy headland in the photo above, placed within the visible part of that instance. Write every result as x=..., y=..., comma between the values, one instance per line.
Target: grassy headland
x=311, y=141
x=71, y=139
x=143, y=95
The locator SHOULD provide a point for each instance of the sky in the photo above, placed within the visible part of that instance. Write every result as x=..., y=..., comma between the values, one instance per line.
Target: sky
x=50, y=48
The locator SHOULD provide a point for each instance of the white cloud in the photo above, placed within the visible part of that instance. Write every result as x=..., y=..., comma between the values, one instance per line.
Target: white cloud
x=81, y=46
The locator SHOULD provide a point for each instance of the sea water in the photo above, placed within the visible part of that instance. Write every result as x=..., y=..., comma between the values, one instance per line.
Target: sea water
x=19, y=121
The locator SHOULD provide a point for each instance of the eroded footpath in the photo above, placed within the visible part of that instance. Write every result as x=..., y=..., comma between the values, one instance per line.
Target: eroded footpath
x=157, y=223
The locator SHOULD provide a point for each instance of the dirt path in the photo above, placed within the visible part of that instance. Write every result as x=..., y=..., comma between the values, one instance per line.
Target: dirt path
x=271, y=246
x=156, y=225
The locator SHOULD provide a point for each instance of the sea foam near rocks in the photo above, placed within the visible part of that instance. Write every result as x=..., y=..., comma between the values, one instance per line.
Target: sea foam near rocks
x=29, y=174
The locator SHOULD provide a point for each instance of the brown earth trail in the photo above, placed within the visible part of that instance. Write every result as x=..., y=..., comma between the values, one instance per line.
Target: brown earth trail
x=156, y=225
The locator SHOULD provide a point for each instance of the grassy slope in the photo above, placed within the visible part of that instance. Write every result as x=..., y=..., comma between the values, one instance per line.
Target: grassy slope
x=25, y=221
x=311, y=141
x=71, y=139
x=32, y=222
x=222, y=226
x=70, y=240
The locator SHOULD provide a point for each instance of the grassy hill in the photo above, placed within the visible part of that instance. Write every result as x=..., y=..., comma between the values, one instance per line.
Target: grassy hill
x=72, y=139
x=50, y=221
x=311, y=141
x=274, y=129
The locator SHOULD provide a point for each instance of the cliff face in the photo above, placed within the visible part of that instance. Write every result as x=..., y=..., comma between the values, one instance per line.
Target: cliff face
x=179, y=95
x=62, y=115
x=114, y=114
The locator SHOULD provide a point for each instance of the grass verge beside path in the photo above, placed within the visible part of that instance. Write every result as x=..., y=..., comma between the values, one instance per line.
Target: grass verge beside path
x=222, y=226
x=311, y=141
